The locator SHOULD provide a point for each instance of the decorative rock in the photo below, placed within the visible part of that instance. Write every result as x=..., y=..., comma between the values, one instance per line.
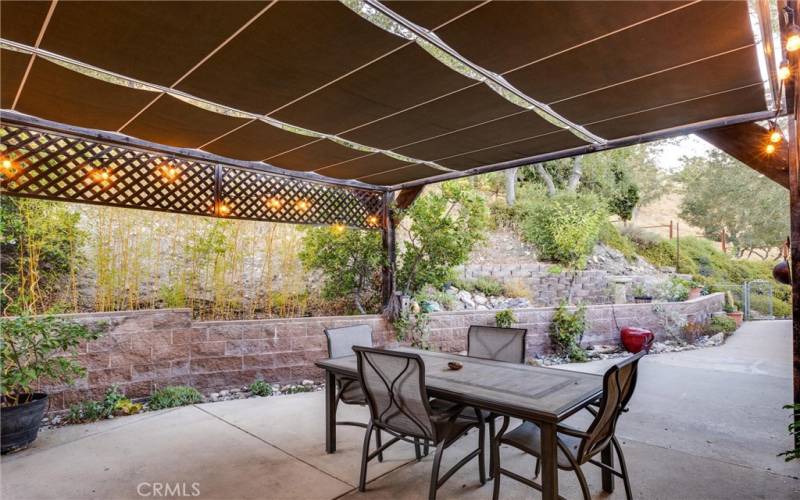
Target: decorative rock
x=717, y=339
x=480, y=298
x=214, y=396
x=224, y=393
x=308, y=382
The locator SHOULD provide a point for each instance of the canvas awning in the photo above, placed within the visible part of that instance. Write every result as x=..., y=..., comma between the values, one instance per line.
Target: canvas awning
x=384, y=94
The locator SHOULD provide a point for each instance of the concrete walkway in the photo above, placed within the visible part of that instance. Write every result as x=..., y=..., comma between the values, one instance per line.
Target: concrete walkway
x=703, y=424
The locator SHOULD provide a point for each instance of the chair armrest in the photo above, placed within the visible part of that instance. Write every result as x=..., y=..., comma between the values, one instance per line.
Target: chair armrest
x=570, y=431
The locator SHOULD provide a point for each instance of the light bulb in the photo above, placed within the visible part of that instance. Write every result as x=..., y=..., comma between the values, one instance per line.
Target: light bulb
x=783, y=71
x=372, y=220
x=769, y=148
x=775, y=136
x=793, y=42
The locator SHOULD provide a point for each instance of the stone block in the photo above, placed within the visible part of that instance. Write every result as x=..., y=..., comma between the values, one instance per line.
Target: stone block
x=215, y=364
x=109, y=376
x=202, y=349
x=189, y=335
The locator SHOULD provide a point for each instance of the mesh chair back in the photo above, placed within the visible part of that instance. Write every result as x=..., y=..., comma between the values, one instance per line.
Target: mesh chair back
x=394, y=383
x=619, y=382
x=499, y=344
x=342, y=340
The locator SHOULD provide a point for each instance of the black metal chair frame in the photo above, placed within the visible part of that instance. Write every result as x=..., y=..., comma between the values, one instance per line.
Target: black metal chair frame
x=441, y=442
x=491, y=417
x=342, y=385
x=586, y=450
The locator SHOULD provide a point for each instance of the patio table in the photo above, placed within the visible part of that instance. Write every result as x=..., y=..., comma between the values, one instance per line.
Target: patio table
x=545, y=396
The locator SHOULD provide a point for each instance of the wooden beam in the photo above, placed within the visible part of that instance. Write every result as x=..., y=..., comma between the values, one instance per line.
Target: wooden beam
x=388, y=281
x=745, y=142
x=406, y=197
x=794, y=217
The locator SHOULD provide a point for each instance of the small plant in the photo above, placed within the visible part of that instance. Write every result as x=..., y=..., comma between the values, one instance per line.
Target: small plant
x=672, y=321
x=516, y=289
x=642, y=291
x=488, y=286
x=33, y=349
x=412, y=327
x=721, y=324
x=566, y=332
x=504, y=319
x=261, y=388
x=794, y=430
x=555, y=269
x=170, y=397
x=114, y=403
x=296, y=389
x=730, y=304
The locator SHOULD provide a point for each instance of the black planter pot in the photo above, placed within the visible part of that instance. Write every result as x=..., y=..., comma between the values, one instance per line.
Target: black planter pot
x=642, y=300
x=20, y=424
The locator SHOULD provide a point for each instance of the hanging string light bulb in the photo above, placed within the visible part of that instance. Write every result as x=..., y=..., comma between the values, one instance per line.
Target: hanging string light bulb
x=769, y=148
x=222, y=209
x=372, y=220
x=792, y=38
x=775, y=135
x=102, y=176
x=784, y=72
x=9, y=168
x=169, y=171
x=274, y=203
x=302, y=205
x=338, y=228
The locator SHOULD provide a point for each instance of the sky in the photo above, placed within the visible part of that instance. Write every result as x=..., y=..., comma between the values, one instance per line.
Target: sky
x=670, y=152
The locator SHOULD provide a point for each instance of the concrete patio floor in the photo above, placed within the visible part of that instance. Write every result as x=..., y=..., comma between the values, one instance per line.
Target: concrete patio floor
x=703, y=424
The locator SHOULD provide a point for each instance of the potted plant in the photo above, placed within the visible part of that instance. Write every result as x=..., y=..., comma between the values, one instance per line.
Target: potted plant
x=732, y=309
x=34, y=350
x=641, y=295
x=695, y=290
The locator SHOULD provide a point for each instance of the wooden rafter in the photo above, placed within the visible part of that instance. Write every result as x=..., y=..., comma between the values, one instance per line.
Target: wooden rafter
x=745, y=142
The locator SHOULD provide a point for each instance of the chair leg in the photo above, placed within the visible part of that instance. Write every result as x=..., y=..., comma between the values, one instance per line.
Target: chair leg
x=425, y=448
x=378, y=443
x=417, y=452
x=537, y=468
x=481, y=449
x=362, y=480
x=437, y=461
x=582, y=480
x=491, y=446
x=624, y=469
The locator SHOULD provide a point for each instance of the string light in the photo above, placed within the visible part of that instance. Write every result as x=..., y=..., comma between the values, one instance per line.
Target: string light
x=338, y=228
x=793, y=39
x=169, y=172
x=783, y=71
x=775, y=135
x=274, y=203
x=372, y=220
x=302, y=205
x=9, y=168
x=769, y=148
x=101, y=175
x=223, y=210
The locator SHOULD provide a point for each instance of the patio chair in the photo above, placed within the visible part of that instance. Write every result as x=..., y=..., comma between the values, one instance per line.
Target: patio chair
x=394, y=384
x=576, y=447
x=348, y=390
x=497, y=344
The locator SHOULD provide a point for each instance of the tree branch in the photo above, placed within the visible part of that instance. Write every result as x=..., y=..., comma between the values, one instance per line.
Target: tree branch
x=548, y=179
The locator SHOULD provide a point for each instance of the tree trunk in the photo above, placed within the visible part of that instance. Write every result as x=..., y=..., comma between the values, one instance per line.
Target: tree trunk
x=548, y=180
x=577, y=172
x=511, y=186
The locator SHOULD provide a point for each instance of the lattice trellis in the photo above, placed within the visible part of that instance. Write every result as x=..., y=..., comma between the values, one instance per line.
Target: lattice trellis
x=60, y=167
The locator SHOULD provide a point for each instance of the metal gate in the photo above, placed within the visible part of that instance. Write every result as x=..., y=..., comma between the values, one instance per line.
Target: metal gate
x=758, y=300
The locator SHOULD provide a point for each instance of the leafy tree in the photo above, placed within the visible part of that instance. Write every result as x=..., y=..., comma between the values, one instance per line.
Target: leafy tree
x=442, y=229
x=564, y=228
x=722, y=194
x=350, y=259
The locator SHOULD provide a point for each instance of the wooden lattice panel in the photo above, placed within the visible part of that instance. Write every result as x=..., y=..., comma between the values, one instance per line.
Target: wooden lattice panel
x=59, y=167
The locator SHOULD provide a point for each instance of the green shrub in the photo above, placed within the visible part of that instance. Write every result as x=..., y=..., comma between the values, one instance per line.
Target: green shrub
x=39, y=348
x=504, y=319
x=794, y=431
x=516, y=288
x=673, y=290
x=296, y=389
x=564, y=228
x=780, y=308
x=261, y=388
x=610, y=236
x=482, y=284
x=170, y=397
x=722, y=324
x=566, y=332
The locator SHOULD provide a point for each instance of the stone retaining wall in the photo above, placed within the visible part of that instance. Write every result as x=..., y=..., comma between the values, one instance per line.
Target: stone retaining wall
x=145, y=350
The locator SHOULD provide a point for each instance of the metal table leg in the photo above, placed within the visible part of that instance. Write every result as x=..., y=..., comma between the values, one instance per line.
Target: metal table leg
x=330, y=412
x=549, y=461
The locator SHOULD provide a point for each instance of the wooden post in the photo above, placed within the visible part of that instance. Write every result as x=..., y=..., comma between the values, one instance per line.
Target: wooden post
x=670, y=229
x=677, y=247
x=388, y=282
x=724, y=247
x=794, y=217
